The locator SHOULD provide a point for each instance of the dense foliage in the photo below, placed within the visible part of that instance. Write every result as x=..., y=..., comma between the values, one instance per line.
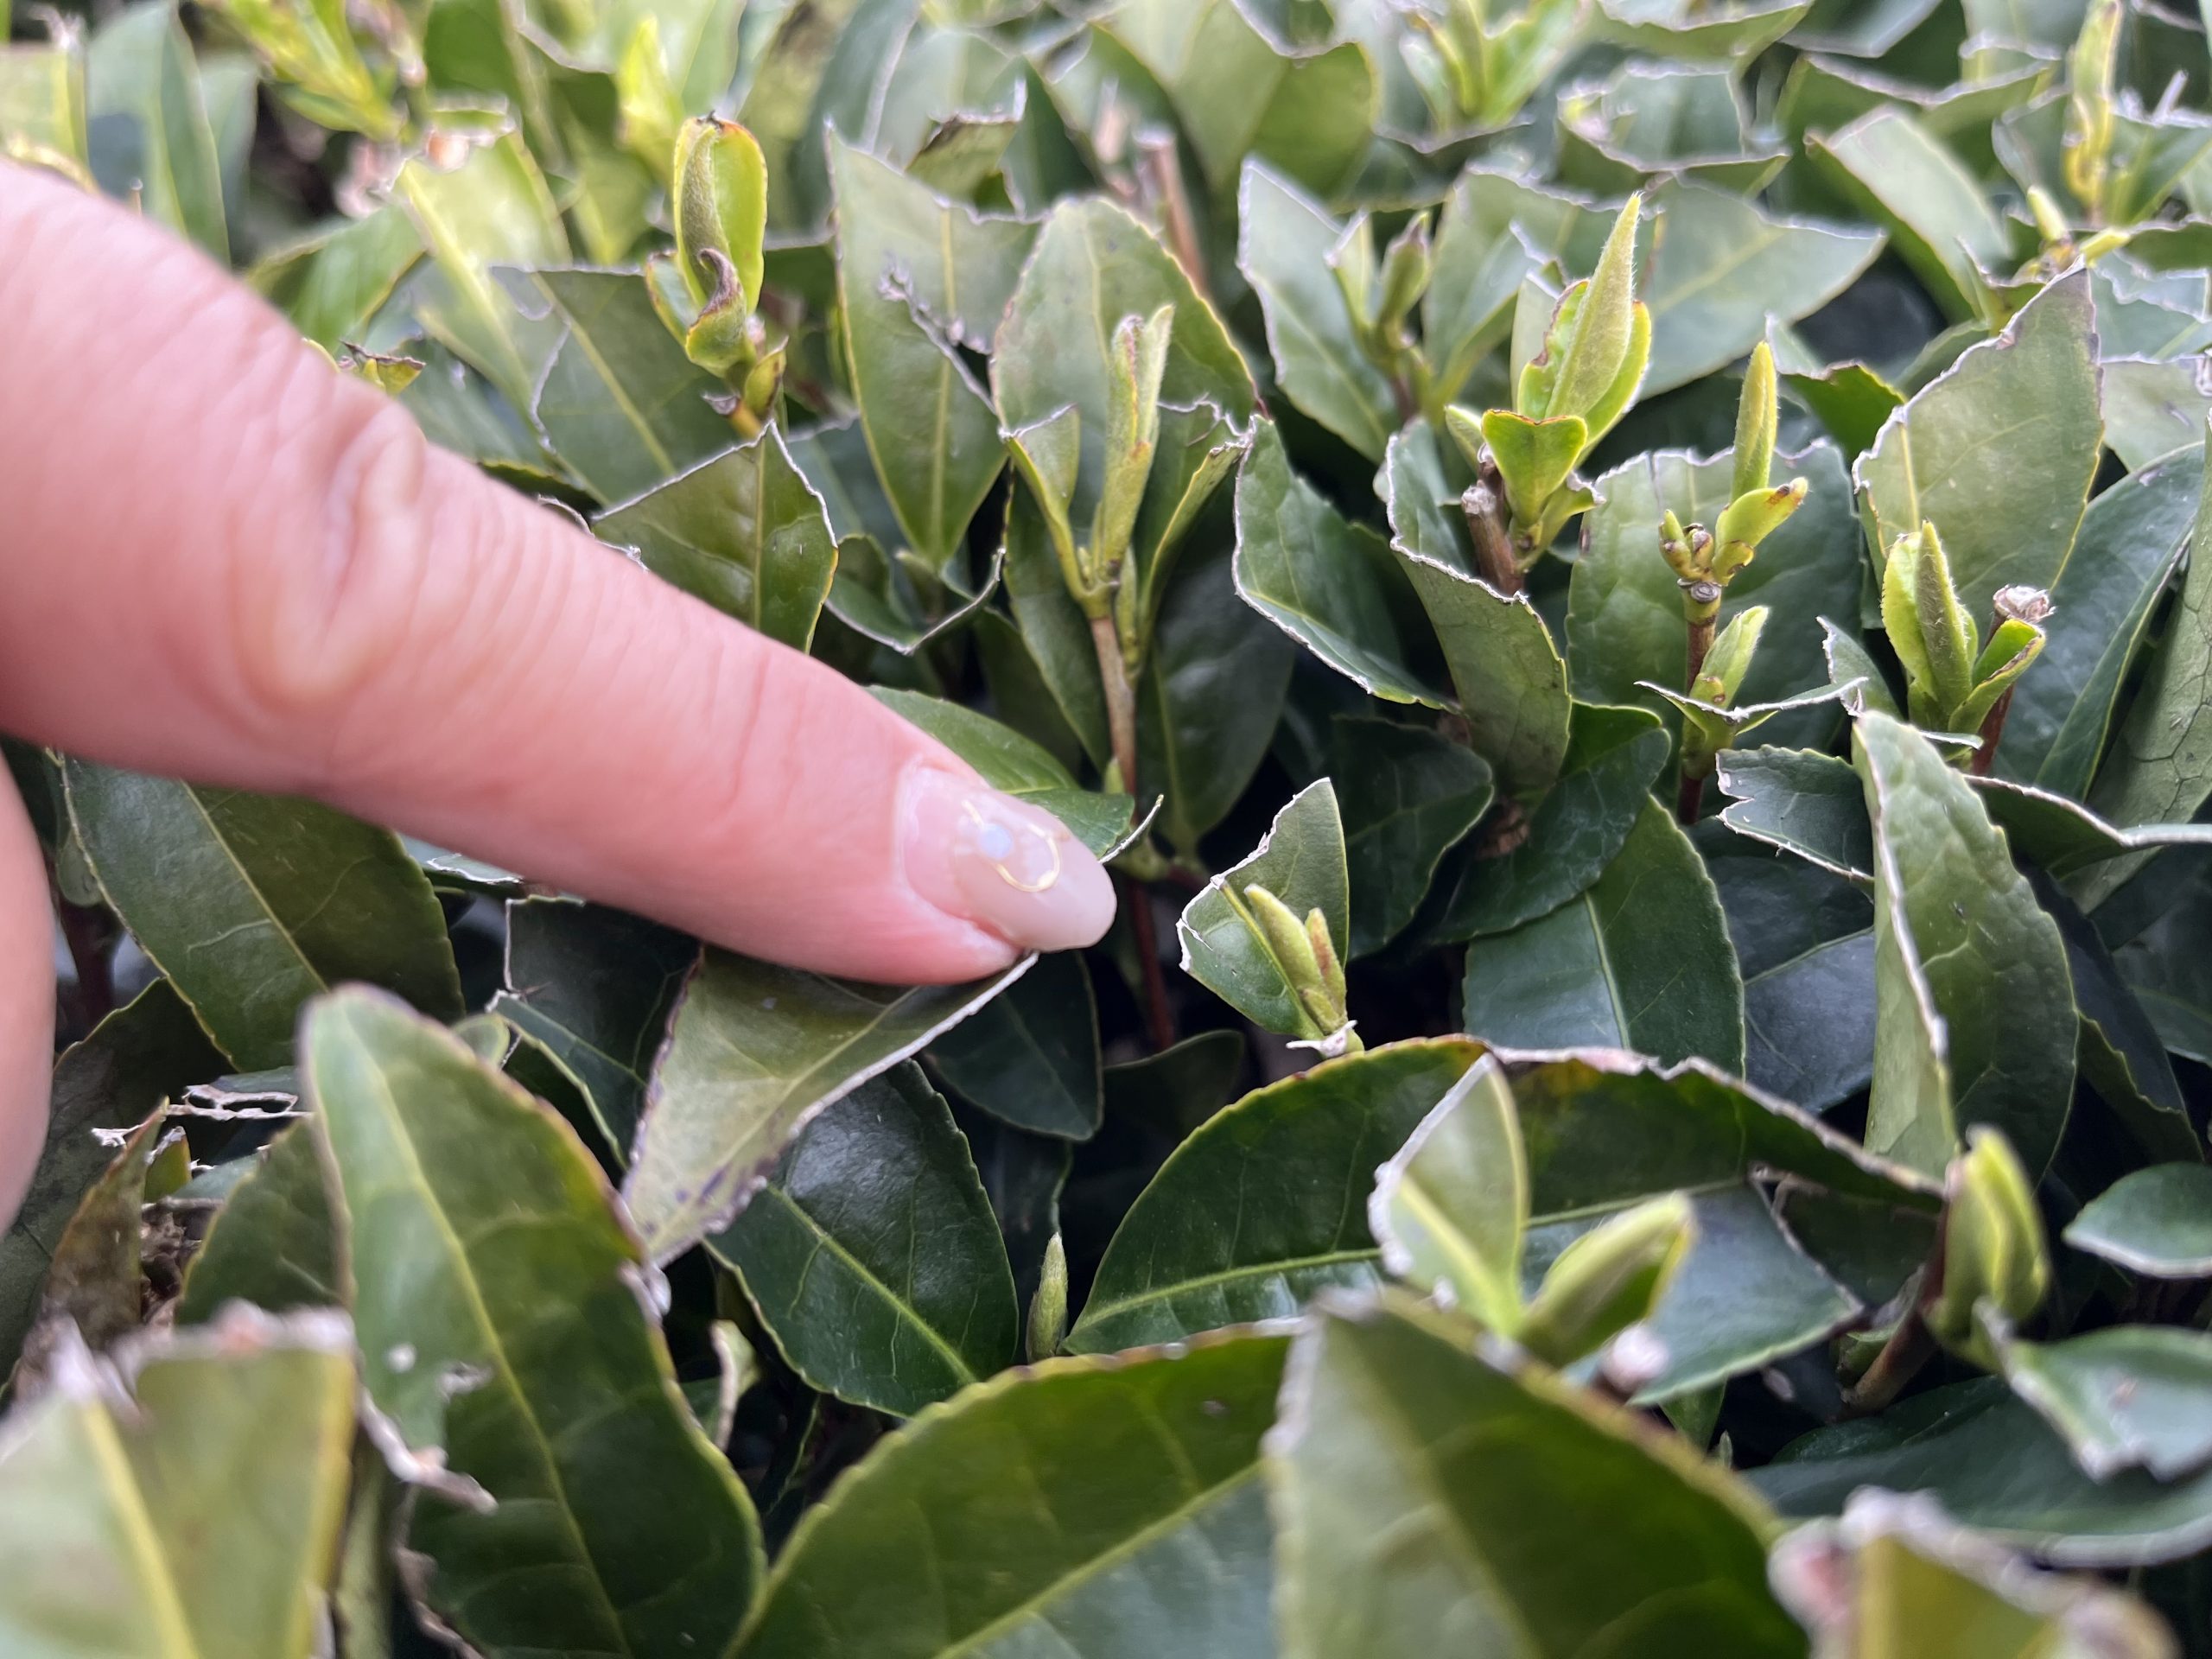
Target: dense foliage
x=1624, y=564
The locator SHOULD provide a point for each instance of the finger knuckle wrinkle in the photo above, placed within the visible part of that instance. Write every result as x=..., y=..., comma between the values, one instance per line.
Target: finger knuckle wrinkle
x=325, y=611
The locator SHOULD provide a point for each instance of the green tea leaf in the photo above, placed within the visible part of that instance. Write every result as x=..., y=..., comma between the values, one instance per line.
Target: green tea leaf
x=253, y=904
x=873, y=1255
x=619, y=403
x=92, y=1293
x=1265, y=1204
x=1995, y=1466
x=274, y=1242
x=753, y=1052
x=470, y=1212
x=595, y=987
x=1210, y=698
x=1721, y=268
x=1897, y=173
x=1284, y=240
x=142, y=87
x=1975, y=1021
x=1407, y=796
x=2007, y=512
x=918, y=279
x=745, y=532
x=2156, y=1221
x=1810, y=805
x=1613, y=758
x=1640, y=961
x=1030, y=1056
x=2132, y=538
x=195, y=1513
x=1450, y=1208
x=149, y=1050
x=1238, y=92
x=980, y=1529
x=1625, y=604
x=1511, y=683
x=1301, y=862
x=1426, y=1487
x=2130, y=1396
x=1607, y=1133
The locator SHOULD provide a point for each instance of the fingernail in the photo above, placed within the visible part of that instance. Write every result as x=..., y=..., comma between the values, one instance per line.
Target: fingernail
x=1007, y=867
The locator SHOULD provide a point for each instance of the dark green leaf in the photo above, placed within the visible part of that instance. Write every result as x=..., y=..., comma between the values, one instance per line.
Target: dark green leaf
x=594, y=986
x=1975, y=1021
x=753, y=1052
x=1210, y=698
x=253, y=904
x=1408, y=795
x=2130, y=1396
x=1640, y=961
x=1430, y=1492
x=471, y=1211
x=1994, y=1464
x=1267, y=1202
x=744, y=532
x=1810, y=805
x=2156, y=1221
x=1901, y=175
x=1030, y=1056
x=918, y=279
x=2007, y=510
x=1284, y=240
x=274, y=1242
x=873, y=1255
x=619, y=403
x=1721, y=268
x=1511, y=683
x=91, y=1294
x=1321, y=579
x=1613, y=758
x=148, y=1051
x=1121, y=1499
x=2130, y=539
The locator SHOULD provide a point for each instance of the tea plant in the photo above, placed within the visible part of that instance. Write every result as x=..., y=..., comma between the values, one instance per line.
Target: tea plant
x=1614, y=578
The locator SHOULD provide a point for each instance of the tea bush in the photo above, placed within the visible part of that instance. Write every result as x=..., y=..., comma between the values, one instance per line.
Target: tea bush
x=1614, y=578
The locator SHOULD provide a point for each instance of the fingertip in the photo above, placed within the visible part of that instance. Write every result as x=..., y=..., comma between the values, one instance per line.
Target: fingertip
x=998, y=864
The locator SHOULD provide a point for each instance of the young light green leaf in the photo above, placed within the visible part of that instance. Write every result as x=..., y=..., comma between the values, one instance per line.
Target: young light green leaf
x=1449, y=1210
x=873, y=1255
x=722, y=209
x=190, y=1504
x=469, y=1210
x=1612, y=1277
x=1301, y=862
x=1996, y=1260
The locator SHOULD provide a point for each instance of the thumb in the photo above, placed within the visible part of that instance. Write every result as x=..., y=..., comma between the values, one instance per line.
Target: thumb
x=228, y=564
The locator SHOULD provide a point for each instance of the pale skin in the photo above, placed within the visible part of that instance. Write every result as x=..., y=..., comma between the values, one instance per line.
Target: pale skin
x=221, y=560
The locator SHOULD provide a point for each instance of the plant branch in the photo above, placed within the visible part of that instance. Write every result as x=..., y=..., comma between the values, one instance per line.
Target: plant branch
x=1910, y=1347
x=1992, y=729
x=1160, y=174
x=1701, y=618
x=1137, y=897
x=1485, y=509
